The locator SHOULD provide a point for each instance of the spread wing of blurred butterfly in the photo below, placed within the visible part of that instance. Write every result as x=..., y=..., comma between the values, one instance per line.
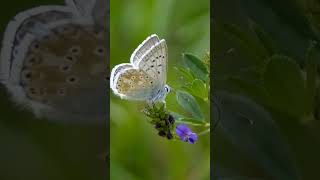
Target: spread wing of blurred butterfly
x=144, y=78
x=54, y=58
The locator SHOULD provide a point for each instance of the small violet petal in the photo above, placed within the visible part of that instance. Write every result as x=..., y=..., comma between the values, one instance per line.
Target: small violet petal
x=182, y=131
x=185, y=134
x=193, y=137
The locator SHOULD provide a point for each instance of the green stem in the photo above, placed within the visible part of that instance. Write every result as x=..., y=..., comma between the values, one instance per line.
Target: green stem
x=193, y=124
x=204, y=132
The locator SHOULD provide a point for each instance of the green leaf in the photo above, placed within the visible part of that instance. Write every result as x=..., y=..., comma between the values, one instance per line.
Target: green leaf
x=253, y=130
x=196, y=66
x=189, y=104
x=186, y=74
x=264, y=38
x=285, y=85
x=313, y=55
x=253, y=90
x=245, y=42
x=295, y=28
x=198, y=89
x=176, y=115
x=191, y=121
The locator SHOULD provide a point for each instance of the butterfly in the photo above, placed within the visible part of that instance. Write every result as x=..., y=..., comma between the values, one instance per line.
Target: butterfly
x=54, y=58
x=144, y=78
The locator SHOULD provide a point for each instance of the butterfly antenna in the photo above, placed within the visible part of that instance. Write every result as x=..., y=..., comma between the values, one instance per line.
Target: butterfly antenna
x=173, y=90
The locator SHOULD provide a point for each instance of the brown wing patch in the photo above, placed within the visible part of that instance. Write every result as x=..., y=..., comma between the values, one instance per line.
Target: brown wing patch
x=64, y=61
x=133, y=80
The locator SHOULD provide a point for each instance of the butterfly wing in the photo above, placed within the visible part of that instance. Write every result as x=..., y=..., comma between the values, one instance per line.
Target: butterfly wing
x=83, y=7
x=116, y=70
x=146, y=45
x=154, y=62
x=131, y=83
x=91, y=11
x=101, y=13
x=32, y=22
x=55, y=63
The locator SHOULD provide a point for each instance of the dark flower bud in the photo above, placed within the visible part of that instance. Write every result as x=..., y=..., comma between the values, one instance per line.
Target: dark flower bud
x=171, y=119
x=169, y=135
x=158, y=126
x=162, y=133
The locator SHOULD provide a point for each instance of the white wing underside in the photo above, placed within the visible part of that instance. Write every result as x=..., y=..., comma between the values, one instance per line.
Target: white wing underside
x=151, y=58
x=31, y=25
x=142, y=49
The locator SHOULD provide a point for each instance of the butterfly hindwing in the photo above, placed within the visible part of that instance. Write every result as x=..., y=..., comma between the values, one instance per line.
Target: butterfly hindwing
x=135, y=84
x=25, y=25
x=83, y=7
x=116, y=70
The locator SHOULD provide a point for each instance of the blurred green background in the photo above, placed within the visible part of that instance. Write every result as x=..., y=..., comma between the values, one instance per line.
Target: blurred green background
x=39, y=149
x=137, y=152
x=266, y=79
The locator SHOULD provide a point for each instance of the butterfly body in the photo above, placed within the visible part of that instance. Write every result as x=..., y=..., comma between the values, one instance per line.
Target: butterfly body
x=144, y=78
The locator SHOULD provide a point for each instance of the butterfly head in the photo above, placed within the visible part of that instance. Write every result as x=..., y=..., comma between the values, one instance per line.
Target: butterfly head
x=163, y=94
x=167, y=89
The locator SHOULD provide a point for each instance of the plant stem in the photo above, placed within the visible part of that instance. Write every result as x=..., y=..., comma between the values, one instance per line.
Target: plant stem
x=193, y=124
x=204, y=132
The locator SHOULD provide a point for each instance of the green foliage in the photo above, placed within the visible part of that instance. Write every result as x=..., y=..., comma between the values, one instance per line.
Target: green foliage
x=313, y=55
x=285, y=86
x=264, y=38
x=274, y=97
x=195, y=90
x=196, y=66
x=198, y=89
x=189, y=95
x=189, y=104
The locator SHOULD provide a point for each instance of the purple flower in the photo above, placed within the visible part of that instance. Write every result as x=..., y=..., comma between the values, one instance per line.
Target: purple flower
x=185, y=134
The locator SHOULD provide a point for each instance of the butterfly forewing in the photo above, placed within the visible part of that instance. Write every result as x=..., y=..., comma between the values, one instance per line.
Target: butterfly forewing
x=143, y=48
x=154, y=62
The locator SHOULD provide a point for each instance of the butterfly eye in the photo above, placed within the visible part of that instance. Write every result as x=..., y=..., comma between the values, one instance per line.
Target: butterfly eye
x=167, y=89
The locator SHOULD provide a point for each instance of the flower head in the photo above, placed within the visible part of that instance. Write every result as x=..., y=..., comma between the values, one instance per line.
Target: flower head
x=185, y=134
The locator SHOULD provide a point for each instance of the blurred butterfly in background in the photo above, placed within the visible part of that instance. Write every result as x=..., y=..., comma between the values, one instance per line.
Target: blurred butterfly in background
x=144, y=78
x=54, y=59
